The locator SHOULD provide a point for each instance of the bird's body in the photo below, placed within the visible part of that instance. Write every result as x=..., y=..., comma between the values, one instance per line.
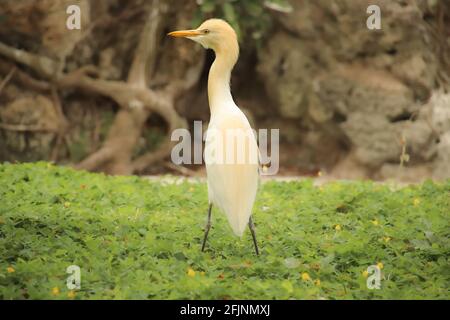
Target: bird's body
x=231, y=152
x=232, y=186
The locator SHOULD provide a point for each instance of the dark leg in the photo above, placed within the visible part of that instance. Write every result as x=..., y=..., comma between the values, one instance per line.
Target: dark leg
x=252, y=229
x=208, y=226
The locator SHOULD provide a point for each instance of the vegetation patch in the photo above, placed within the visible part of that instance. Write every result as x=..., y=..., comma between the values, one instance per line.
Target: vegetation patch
x=139, y=239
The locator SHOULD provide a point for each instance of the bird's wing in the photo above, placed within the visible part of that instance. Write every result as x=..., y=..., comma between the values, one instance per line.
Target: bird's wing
x=233, y=182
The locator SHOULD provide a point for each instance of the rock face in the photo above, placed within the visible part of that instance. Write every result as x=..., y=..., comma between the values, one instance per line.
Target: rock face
x=375, y=89
x=440, y=120
x=347, y=100
x=35, y=114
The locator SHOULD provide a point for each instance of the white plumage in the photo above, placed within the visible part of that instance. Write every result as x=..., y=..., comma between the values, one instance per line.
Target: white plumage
x=231, y=152
x=232, y=187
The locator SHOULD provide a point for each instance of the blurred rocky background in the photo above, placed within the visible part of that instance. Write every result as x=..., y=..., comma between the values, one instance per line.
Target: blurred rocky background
x=350, y=102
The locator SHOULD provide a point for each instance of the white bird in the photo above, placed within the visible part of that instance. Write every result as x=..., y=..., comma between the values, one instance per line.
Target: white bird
x=231, y=165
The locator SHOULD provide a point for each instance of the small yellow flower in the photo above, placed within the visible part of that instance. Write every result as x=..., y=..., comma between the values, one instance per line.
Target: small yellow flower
x=317, y=282
x=375, y=222
x=387, y=239
x=71, y=294
x=66, y=204
x=365, y=274
x=416, y=202
x=338, y=227
x=305, y=276
x=191, y=272
x=10, y=270
x=55, y=291
x=380, y=265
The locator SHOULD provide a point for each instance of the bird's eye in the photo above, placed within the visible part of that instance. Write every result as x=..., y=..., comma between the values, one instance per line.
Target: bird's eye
x=206, y=31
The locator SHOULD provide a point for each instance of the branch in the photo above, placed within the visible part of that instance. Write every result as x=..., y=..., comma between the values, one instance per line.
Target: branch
x=125, y=94
x=24, y=78
x=7, y=78
x=62, y=125
x=167, y=111
x=44, y=66
x=24, y=128
x=146, y=51
x=119, y=91
x=96, y=159
x=144, y=161
x=183, y=170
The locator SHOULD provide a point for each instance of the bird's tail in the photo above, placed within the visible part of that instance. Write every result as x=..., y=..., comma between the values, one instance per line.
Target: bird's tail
x=238, y=219
x=239, y=208
x=233, y=189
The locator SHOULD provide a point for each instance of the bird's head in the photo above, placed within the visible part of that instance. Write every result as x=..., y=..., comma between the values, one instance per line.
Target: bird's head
x=215, y=34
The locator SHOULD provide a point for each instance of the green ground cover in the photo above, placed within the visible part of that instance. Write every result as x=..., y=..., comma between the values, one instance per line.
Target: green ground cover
x=140, y=239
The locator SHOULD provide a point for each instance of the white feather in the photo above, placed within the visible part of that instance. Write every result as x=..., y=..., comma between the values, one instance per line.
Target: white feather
x=232, y=186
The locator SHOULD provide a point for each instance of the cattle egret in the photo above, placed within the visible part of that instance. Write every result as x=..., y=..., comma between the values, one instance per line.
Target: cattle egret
x=232, y=182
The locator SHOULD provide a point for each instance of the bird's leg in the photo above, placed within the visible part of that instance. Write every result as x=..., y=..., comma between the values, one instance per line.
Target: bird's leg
x=208, y=226
x=252, y=229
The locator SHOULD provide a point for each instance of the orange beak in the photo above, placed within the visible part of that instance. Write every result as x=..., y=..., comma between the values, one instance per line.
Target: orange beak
x=184, y=33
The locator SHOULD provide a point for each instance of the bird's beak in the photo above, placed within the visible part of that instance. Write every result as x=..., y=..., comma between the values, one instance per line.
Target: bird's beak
x=185, y=33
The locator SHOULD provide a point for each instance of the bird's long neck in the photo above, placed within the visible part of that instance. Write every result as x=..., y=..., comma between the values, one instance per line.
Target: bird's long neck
x=219, y=93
